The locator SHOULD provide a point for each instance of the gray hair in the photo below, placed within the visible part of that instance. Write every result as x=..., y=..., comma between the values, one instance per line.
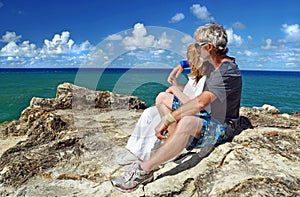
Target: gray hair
x=214, y=34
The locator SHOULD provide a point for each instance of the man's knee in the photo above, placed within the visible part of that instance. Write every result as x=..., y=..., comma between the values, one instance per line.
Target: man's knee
x=194, y=120
x=189, y=124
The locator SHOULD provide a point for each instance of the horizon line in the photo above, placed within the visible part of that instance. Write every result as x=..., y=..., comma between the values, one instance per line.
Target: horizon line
x=124, y=68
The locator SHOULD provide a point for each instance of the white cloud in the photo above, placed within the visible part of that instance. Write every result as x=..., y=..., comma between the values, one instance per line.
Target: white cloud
x=248, y=53
x=290, y=65
x=60, y=49
x=164, y=42
x=234, y=39
x=187, y=39
x=201, y=13
x=238, y=25
x=114, y=37
x=178, y=17
x=157, y=52
x=260, y=66
x=25, y=49
x=10, y=58
x=141, y=39
x=292, y=32
x=60, y=44
x=139, y=30
x=28, y=49
x=10, y=36
x=150, y=65
x=268, y=45
x=10, y=49
x=86, y=46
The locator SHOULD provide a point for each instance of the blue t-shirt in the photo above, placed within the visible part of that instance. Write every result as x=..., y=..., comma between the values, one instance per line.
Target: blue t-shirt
x=226, y=84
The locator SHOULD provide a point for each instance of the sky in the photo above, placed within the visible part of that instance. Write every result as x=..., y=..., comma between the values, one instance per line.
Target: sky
x=263, y=34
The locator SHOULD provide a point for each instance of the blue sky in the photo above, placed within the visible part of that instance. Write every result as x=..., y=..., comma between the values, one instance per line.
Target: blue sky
x=263, y=34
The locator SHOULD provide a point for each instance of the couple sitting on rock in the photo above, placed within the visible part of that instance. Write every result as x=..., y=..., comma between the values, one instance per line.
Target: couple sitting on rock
x=199, y=114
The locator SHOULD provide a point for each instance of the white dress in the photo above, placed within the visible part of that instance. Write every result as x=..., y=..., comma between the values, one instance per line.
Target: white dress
x=143, y=142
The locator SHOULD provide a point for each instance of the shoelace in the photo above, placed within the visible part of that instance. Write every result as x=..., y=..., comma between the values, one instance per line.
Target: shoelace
x=131, y=172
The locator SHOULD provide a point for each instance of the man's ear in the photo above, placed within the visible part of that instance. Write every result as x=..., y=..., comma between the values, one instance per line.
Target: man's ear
x=210, y=47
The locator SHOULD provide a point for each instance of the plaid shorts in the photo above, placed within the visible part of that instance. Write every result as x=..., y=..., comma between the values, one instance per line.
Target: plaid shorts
x=212, y=132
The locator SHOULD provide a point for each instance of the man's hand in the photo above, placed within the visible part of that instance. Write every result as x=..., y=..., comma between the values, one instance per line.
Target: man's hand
x=175, y=74
x=163, y=125
x=160, y=130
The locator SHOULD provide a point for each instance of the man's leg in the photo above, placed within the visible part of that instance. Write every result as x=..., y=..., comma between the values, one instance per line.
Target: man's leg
x=142, y=173
x=186, y=127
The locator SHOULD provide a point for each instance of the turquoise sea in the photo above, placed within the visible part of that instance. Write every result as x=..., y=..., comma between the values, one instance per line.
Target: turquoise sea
x=18, y=86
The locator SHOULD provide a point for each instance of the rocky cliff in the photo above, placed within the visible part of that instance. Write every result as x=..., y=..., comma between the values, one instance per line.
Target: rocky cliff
x=70, y=145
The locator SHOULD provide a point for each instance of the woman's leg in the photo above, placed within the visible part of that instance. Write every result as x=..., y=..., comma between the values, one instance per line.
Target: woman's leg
x=143, y=139
x=164, y=103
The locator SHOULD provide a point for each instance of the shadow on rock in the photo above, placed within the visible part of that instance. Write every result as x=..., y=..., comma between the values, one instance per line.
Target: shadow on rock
x=242, y=124
x=190, y=163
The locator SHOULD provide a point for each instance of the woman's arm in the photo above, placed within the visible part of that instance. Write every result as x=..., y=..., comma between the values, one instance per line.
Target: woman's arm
x=177, y=91
x=172, y=79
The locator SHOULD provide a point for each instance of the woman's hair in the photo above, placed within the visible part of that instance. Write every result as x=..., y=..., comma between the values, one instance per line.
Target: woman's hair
x=198, y=70
x=214, y=34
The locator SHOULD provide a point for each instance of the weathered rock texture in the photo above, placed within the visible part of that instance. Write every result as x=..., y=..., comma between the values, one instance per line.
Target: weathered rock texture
x=70, y=145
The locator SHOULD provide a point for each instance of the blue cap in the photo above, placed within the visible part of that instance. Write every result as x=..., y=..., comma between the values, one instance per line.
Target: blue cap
x=184, y=64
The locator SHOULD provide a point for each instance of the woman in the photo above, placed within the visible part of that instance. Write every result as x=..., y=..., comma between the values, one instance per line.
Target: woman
x=176, y=95
x=143, y=142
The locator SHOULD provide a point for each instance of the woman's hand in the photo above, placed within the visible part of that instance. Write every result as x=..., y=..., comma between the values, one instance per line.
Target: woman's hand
x=172, y=79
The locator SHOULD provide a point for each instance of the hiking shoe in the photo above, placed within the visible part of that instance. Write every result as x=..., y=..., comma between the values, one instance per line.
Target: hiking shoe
x=132, y=179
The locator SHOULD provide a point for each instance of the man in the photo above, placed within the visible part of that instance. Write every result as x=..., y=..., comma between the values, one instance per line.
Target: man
x=222, y=91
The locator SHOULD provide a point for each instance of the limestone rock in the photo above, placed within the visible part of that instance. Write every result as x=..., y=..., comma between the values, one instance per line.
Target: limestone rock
x=70, y=145
x=70, y=96
x=264, y=118
x=271, y=109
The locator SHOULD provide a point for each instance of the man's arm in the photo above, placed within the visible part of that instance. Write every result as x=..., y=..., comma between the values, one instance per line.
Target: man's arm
x=194, y=106
x=188, y=109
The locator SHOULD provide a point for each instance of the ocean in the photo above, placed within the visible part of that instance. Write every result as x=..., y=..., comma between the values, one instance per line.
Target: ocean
x=18, y=86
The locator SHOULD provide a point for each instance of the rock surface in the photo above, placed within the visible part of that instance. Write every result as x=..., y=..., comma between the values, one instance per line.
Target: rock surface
x=70, y=146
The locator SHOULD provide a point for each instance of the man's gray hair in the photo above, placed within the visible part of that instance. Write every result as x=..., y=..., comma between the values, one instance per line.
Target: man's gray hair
x=214, y=34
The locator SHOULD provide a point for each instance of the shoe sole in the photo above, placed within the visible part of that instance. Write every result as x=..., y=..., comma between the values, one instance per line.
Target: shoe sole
x=146, y=181
x=126, y=163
